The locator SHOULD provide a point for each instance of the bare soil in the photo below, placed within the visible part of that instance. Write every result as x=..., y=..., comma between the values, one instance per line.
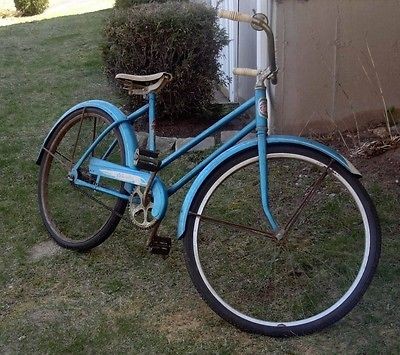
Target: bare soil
x=377, y=158
x=383, y=168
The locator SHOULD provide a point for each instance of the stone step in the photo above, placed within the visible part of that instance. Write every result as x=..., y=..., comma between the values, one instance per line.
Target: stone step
x=207, y=143
x=226, y=135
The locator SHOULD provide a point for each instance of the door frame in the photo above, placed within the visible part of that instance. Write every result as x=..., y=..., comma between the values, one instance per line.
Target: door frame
x=230, y=59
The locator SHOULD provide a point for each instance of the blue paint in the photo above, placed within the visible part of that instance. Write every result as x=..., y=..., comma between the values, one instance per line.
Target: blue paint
x=151, y=141
x=101, y=189
x=107, y=169
x=261, y=129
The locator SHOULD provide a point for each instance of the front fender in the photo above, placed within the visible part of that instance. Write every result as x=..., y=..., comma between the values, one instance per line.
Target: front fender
x=127, y=133
x=278, y=139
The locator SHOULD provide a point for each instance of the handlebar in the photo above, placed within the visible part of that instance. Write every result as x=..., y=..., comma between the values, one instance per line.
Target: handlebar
x=246, y=72
x=259, y=22
x=235, y=16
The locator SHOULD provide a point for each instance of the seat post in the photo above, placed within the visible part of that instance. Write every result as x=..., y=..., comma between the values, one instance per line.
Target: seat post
x=151, y=142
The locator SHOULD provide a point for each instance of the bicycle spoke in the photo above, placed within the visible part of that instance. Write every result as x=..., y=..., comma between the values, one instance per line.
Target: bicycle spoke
x=94, y=133
x=235, y=225
x=308, y=195
x=78, y=136
x=58, y=159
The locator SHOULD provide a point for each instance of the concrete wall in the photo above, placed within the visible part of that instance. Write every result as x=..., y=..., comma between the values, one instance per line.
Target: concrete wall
x=322, y=49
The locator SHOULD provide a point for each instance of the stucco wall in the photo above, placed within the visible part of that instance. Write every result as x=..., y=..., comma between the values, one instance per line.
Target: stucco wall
x=322, y=49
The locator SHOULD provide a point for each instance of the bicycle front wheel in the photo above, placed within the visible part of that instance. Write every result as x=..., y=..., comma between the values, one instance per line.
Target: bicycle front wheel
x=76, y=217
x=307, y=280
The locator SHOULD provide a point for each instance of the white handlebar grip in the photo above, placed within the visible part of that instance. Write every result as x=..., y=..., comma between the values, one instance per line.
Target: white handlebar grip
x=245, y=72
x=235, y=16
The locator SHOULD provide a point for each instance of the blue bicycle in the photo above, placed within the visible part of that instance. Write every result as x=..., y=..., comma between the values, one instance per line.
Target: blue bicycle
x=280, y=236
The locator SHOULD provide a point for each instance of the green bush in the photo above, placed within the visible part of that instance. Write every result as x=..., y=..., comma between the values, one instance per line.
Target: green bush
x=31, y=7
x=181, y=38
x=123, y=4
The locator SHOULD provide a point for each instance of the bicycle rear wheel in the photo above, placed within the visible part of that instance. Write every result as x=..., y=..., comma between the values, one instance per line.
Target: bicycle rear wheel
x=308, y=280
x=76, y=217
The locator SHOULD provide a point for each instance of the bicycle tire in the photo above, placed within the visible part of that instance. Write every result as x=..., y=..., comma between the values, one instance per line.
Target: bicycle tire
x=78, y=218
x=282, y=288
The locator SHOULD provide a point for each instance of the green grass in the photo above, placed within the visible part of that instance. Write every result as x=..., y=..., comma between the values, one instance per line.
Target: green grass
x=118, y=298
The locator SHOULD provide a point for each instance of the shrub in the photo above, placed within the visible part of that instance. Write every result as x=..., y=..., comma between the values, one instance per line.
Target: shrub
x=183, y=39
x=123, y=4
x=31, y=7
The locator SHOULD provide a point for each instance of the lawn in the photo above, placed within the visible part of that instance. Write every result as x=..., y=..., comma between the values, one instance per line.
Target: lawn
x=118, y=298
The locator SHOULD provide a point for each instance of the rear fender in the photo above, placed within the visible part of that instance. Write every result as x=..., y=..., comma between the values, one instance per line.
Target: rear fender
x=130, y=144
x=127, y=133
x=228, y=154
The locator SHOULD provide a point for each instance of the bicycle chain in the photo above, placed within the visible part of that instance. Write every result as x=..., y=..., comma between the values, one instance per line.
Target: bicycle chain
x=126, y=219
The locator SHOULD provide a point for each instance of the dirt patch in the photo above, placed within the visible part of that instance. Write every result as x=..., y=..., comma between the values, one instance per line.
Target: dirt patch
x=44, y=316
x=44, y=250
x=384, y=168
x=176, y=325
x=375, y=155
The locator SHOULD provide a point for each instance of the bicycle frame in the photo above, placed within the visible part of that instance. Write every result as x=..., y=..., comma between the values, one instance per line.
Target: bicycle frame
x=102, y=168
x=132, y=176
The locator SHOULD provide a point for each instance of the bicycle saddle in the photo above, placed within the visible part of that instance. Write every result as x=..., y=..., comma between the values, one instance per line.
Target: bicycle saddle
x=143, y=84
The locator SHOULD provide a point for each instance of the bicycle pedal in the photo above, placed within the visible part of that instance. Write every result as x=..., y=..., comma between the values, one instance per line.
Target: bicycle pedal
x=160, y=245
x=146, y=153
x=146, y=160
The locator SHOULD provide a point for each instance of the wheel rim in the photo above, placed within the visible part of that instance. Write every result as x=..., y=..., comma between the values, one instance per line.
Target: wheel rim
x=73, y=214
x=231, y=304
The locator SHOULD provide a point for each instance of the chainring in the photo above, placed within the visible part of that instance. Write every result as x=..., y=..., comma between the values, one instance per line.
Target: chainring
x=139, y=211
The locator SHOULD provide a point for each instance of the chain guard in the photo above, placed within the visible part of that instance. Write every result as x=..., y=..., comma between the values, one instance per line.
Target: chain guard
x=140, y=212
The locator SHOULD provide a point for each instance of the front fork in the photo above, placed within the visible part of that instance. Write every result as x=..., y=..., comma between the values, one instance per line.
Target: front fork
x=261, y=128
